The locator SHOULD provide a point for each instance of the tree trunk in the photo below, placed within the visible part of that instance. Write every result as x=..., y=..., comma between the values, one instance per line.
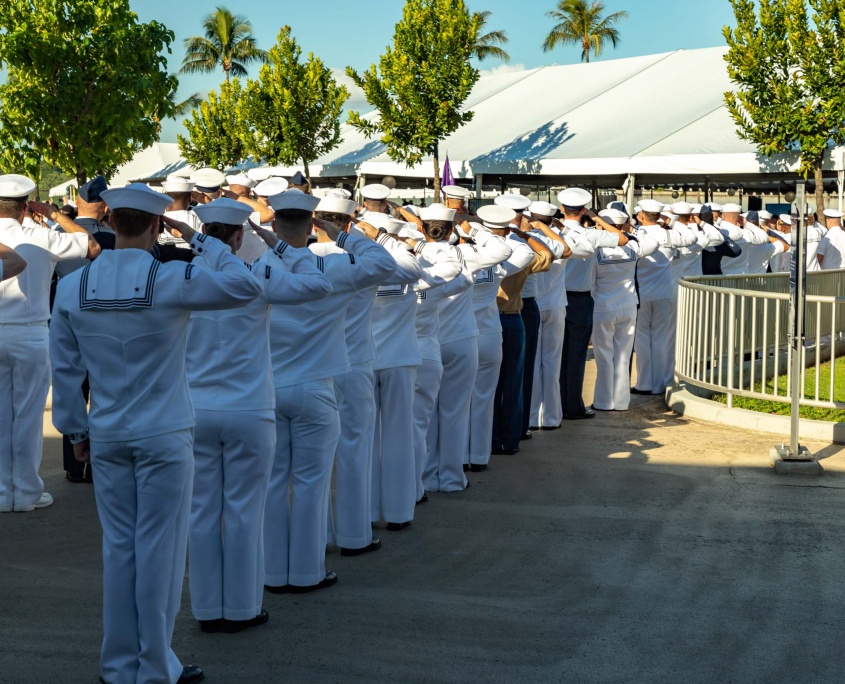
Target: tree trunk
x=81, y=177
x=585, y=45
x=817, y=174
x=436, y=173
x=305, y=168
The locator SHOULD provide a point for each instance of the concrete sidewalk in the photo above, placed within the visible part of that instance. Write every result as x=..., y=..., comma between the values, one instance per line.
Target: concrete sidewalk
x=636, y=547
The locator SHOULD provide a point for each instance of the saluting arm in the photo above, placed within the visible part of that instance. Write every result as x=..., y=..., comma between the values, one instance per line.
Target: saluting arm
x=491, y=250
x=11, y=263
x=369, y=263
x=266, y=214
x=67, y=225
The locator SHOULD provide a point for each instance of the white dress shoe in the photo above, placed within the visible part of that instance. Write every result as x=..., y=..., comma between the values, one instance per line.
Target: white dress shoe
x=43, y=502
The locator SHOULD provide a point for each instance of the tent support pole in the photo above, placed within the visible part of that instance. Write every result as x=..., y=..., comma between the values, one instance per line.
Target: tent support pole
x=479, y=178
x=632, y=191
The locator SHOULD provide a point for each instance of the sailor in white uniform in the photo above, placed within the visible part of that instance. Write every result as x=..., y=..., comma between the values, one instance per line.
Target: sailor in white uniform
x=24, y=357
x=615, y=314
x=141, y=420
x=449, y=444
x=240, y=189
x=815, y=233
x=208, y=184
x=832, y=245
x=231, y=384
x=12, y=264
x=262, y=214
x=180, y=210
x=782, y=263
x=729, y=226
x=710, y=238
x=762, y=245
x=308, y=349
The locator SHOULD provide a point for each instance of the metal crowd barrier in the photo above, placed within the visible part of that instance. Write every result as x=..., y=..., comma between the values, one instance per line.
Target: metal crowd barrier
x=732, y=335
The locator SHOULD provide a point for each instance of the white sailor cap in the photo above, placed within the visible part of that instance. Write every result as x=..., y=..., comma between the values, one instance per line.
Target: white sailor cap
x=208, y=180
x=729, y=208
x=714, y=206
x=137, y=196
x=262, y=173
x=614, y=216
x=651, y=206
x=785, y=218
x=375, y=191
x=379, y=220
x=574, y=197
x=413, y=209
x=293, y=199
x=410, y=232
x=764, y=215
x=437, y=212
x=15, y=186
x=270, y=187
x=496, y=217
x=473, y=225
x=696, y=209
x=455, y=192
x=543, y=208
x=343, y=193
x=513, y=201
x=241, y=179
x=681, y=208
x=337, y=205
x=223, y=210
x=833, y=213
x=637, y=209
x=178, y=184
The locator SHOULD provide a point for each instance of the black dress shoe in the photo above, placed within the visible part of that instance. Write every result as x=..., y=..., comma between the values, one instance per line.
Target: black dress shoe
x=510, y=452
x=211, y=626
x=330, y=580
x=284, y=589
x=191, y=674
x=75, y=479
x=395, y=527
x=422, y=500
x=466, y=467
x=527, y=435
x=233, y=626
x=582, y=416
x=477, y=467
x=634, y=390
x=375, y=545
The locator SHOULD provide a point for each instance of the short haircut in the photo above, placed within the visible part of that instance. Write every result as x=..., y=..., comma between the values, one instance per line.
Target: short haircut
x=651, y=215
x=437, y=230
x=541, y=218
x=340, y=220
x=131, y=222
x=305, y=187
x=294, y=219
x=222, y=231
x=374, y=205
x=12, y=208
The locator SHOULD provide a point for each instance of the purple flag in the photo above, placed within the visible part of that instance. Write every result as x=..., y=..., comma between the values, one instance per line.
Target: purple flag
x=447, y=178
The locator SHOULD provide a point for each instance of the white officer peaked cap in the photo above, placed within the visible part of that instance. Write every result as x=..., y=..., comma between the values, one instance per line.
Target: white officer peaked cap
x=729, y=208
x=651, y=206
x=785, y=218
x=833, y=213
x=574, y=197
x=696, y=209
x=241, y=179
x=379, y=220
x=455, y=192
x=337, y=205
x=542, y=208
x=437, y=212
x=223, y=210
x=764, y=215
x=714, y=206
x=208, y=180
x=375, y=191
x=178, y=184
x=614, y=216
x=494, y=216
x=270, y=187
x=681, y=208
x=343, y=193
x=513, y=201
x=137, y=196
x=15, y=186
x=293, y=199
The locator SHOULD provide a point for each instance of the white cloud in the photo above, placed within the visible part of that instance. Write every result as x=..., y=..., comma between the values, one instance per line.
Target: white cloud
x=357, y=100
x=502, y=69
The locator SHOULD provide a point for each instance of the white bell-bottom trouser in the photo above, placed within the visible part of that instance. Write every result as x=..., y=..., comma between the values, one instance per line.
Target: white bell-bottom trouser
x=613, y=340
x=24, y=384
x=654, y=345
x=546, y=409
x=448, y=436
x=143, y=494
x=296, y=512
x=233, y=452
x=427, y=386
x=483, y=396
x=394, y=492
x=353, y=459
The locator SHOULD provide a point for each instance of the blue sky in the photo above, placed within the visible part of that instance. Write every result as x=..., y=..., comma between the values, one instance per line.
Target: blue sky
x=345, y=33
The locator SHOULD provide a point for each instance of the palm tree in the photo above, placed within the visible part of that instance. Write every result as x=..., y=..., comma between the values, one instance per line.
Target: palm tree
x=487, y=45
x=184, y=107
x=228, y=42
x=582, y=24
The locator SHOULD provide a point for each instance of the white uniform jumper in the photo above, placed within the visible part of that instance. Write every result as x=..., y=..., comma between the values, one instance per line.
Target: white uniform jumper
x=308, y=349
x=615, y=320
x=459, y=352
x=738, y=265
x=761, y=249
x=231, y=384
x=111, y=320
x=24, y=356
x=831, y=248
x=708, y=238
x=815, y=233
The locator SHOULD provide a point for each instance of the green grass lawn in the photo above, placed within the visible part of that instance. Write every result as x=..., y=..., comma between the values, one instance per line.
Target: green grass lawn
x=783, y=409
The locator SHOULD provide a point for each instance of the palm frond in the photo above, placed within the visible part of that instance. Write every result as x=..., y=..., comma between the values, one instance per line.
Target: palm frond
x=182, y=108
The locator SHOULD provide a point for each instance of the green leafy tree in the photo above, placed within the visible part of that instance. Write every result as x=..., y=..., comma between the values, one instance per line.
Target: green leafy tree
x=583, y=23
x=228, y=43
x=75, y=96
x=293, y=109
x=422, y=81
x=215, y=130
x=489, y=44
x=789, y=68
